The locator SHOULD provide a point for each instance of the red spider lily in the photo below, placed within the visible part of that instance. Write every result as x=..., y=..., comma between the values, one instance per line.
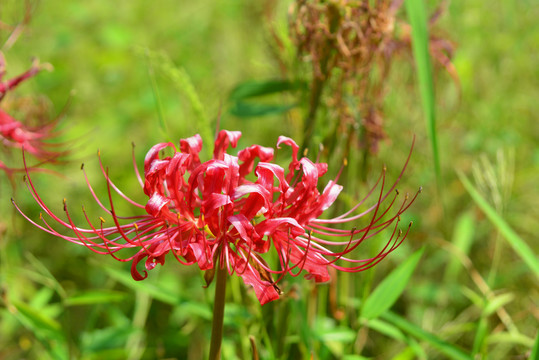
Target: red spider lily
x=15, y=134
x=211, y=214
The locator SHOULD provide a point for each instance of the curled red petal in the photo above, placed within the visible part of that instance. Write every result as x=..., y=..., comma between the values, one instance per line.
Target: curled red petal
x=155, y=204
x=267, y=172
x=259, y=197
x=225, y=139
x=294, y=164
x=214, y=201
x=155, y=254
x=202, y=254
x=153, y=154
x=270, y=226
x=134, y=272
x=192, y=146
x=321, y=168
x=312, y=262
x=248, y=156
x=320, y=203
x=245, y=229
x=264, y=290
x=310, y=173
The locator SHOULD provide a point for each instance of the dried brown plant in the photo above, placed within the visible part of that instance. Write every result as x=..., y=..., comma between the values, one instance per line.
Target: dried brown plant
x=350, y=46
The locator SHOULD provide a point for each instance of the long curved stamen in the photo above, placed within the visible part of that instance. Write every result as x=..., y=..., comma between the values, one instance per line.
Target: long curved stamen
x=111, y=184
x=137, y=173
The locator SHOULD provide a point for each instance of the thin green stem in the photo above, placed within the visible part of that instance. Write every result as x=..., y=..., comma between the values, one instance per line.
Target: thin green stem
x=314, y=102
x=218, y=313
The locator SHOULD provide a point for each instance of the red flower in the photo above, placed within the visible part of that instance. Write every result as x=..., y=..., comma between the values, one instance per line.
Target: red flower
x=232, y=210
x=15, y=134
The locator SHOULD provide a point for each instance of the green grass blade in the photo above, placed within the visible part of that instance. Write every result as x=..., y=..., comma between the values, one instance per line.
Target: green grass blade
x=393, y=332
x=153, y=289
x=452, y=352
x=251, y=89
x=386, y=328
x=515, y=241
x=504, y=337
x=93, y=297
x=420, y=46
x=480, y=337
x=462, y=240
x=535, y=351
x=43, y=276
x=47, y=330
x=389, y=290
x=242, y=103
x=497, y=302
x=36, y=320
x=248, y=110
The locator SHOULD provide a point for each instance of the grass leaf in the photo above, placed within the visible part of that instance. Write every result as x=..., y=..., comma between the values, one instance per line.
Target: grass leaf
x=462, y=240
x=244, y=109
x=91, y=297
x=504, y=337
x=497, y=302
x=47, y=330
x=110, y=338
x=535, y=351
x=417, y=15
x=451, y=351
x=250, y=89
x=393, y=332
x=515, y=241
x=153, y=289
x=36, y=319
x=389, y=290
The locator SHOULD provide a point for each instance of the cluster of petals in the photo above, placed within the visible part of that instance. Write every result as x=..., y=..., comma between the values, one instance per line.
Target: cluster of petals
x=239, y=212
x=16, y=134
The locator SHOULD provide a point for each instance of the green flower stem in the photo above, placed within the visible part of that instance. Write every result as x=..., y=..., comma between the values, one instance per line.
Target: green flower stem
x=218, y=313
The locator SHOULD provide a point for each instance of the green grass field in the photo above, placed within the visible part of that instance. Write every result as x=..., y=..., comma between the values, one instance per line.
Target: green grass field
x=463, y=285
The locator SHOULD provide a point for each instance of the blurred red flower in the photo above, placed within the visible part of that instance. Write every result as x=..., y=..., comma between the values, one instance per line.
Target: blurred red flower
x=16, y=134
x=232, y=210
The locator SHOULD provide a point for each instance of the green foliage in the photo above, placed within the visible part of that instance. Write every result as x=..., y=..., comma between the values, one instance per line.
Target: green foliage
x=391, y=288
x=464, y=283
x=251, y=89
x=462, y=240
x=92, y=297
x=417, y=14
x=516, y=242
x=535, y=351
x=242, y=108
x=446, y=348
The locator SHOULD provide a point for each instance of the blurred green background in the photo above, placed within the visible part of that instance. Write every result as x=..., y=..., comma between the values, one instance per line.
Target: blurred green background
x=471, y=296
